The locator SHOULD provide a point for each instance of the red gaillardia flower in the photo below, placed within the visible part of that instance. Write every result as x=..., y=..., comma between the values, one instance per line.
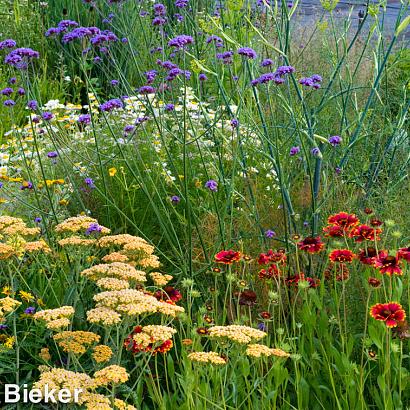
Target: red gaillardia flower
x=341, y=255
x=374, y=282
x=391, y=313
x=247, y=297
x=134, y=347
x=269, y=273
x=265, y=315
x=367, y=256
x=404, y=253
x=365, y=233
x=376, y=222
x=387, y=264
x=228, y=257
x=333, y=231
x=311, y=244
x=168, y=293
x=343, y=220
x=272, y=257
x=295, y=279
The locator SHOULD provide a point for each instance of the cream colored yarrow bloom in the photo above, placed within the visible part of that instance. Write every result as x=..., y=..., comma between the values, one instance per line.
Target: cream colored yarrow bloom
x=117, y=270
x=79, y=224
x=76, y=341
x=103, y=316
x=102, y=353
x=257, y=350
x=59, y=379
x=236, y=333
x=117, y=240
x=6, y=251
x=207, y=357
x=8, y=305
x=37, y=246
x=152, y=334
x=112, y=284
x=113, y=374
x=76, y=241
x=160, y=279
x=115, y=257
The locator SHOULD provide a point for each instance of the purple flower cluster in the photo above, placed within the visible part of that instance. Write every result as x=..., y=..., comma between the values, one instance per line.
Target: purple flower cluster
x=181, y=3
x=277, y=77
x=47, y=116
x=215, y=39
x=9, y=103
x=175, y=72
x=159, y=9
x=20, y=57
x=93, y=228
x=80, y=33
x=111, y=105
x=150, y=76
x=226, y=57
x=32, y=105
x=89, y=182
x=103, y=38
x=7, y=91
x=247, y=52
x=212, y=185
x=159, y=21
x=84, y=119
x=168, y=65
x=267, y=62
x=146, y=89
x=294, y=151
x=313, y=81
x=269, y=233
x=335, y=140
x=9, y=43
x=180, y=41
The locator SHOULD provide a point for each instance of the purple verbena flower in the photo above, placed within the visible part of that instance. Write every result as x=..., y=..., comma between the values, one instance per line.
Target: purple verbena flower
x=9, y=103
x=180, y=41
x=7, y=91
x=9, y=43
x=111, y=105
x=234, y=123
x=181, y=3
x=32, y=105
x=93, y=228
x=128, y=129
x=335, y=140
x=212, y=185
x=247, y=52
x=267, y=62
x=47, y=116
x=270, y=234
x=315, y=151
x=146, y=89
x=159, y=9
x=89, y=182
x=159, y=21
x=84, y=119
x=175, y=199
x=294, y=151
